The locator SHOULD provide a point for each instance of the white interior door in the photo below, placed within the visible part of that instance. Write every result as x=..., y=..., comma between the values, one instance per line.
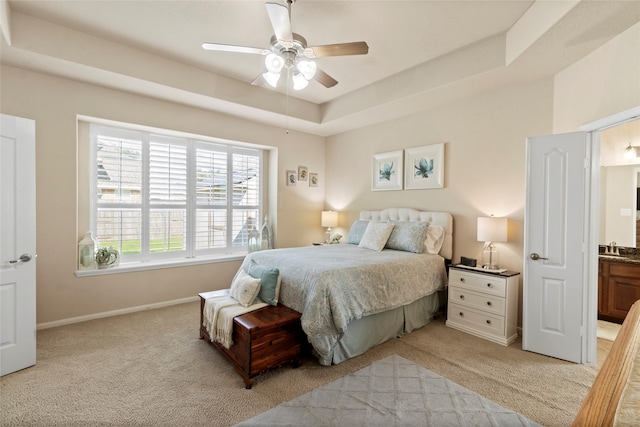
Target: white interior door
x=17, y=244
x=554, y=308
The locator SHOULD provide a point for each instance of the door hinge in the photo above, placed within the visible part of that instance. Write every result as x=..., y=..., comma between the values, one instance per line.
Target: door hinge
x=587, y=163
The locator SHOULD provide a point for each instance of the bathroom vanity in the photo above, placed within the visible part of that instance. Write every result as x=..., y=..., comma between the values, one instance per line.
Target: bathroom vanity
x=618, y=285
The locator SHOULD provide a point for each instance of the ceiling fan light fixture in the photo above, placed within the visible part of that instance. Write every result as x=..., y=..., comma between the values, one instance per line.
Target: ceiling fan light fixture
x=274, y=63
x=299, y=82
x=271, y=78
x=289, y=50
x=307, y=68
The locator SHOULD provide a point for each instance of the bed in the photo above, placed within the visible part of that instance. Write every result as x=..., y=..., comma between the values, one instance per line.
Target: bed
x=353, y=298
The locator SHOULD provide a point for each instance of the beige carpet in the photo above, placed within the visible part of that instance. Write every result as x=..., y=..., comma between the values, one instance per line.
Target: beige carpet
x=150, y=368
x=607, y=330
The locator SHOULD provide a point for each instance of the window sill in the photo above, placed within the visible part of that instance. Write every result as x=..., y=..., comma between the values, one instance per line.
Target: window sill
x=155, y=265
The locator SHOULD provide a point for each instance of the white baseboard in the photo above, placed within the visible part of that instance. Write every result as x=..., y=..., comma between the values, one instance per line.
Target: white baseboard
x=79, y=319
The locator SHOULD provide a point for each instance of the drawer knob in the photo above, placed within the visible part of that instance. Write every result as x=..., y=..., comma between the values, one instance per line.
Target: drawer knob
x=462, y=279
x=489, y=303
x=461, y=314
x=461, y=296
x=488, y=322
x=489, y=285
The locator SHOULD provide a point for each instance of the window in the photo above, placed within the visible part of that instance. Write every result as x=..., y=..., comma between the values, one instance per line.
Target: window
x=158, y=196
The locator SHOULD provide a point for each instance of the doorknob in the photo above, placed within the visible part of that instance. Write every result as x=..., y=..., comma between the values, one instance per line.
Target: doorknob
x=534, y=256
x=23, y=258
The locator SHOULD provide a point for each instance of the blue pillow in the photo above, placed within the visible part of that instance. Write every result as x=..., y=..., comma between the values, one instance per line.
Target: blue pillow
x=357, y=231
x=269, y=282
x=408, y=236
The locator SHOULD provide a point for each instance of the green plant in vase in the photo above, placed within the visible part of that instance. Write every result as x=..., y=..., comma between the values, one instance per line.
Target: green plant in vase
x=107, y=256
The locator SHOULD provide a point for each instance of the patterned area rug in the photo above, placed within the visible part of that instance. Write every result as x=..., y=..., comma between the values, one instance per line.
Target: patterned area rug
x=390, y=392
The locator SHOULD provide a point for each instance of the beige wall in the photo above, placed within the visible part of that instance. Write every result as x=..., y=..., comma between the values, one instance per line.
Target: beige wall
x=484, y=140
x=603, y=83
x=54, y=104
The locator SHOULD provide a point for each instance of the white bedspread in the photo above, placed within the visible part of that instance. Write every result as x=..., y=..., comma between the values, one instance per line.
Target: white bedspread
x=218, y=315
x=332, y=285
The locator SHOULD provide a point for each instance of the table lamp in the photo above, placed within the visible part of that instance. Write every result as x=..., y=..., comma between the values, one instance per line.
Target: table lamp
x=329, y=219
x=490, y=230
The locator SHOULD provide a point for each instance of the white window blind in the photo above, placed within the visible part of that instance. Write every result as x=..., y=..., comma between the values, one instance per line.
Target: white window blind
x=158, y=197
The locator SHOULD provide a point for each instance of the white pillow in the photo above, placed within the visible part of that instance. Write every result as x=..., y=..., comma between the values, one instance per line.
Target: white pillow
x=376, y=235
x=244, y=288
x=435, y=239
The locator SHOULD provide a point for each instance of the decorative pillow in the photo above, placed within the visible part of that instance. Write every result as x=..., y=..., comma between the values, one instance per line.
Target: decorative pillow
x=376, y=235
x=408, y=236
x=434, y=240
x=269, y=282
x=357, y=231
x=244, y=288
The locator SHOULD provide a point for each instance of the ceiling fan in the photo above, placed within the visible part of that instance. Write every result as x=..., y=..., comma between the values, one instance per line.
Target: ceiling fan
x=289, y=52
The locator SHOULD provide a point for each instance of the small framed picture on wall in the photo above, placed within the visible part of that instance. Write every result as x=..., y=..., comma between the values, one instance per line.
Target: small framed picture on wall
x=303, y=173
x=292, y=178
x=313, y=179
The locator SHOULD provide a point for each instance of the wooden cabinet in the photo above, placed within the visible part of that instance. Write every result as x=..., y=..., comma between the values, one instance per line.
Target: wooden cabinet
x=618, y=289
x=262, y=339
x=484, y=304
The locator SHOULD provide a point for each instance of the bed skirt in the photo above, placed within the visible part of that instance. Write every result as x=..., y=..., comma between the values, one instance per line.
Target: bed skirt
x=369, y=331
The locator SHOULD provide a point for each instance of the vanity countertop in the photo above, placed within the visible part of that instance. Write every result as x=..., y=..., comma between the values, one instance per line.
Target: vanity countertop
x=621, y=259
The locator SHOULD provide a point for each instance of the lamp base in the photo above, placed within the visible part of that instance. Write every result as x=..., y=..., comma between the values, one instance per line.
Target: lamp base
x=490, y=257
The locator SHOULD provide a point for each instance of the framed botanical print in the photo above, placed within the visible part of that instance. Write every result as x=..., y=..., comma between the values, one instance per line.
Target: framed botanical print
x=303, y=173
x=292, y=178
x=313, y=179
x=424, y=167
x=386, y=171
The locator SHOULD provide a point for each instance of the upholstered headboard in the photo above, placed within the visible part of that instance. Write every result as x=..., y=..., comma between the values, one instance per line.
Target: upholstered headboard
x=442, y=219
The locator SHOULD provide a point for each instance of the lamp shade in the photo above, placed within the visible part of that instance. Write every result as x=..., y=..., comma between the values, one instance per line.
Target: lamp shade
x=329, y=218
x=492, y=229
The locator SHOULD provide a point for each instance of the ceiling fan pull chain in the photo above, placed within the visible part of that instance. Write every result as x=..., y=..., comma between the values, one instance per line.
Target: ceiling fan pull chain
x=287, y=102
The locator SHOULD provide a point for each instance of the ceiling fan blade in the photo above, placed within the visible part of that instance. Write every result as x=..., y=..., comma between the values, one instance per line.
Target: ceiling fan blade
x=260, y=81
x=233, y=48
x=325, y=79
x=279, y=17
x=340, y=49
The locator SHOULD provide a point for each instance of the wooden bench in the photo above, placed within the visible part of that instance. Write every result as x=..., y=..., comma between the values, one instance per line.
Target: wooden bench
x=263, y=339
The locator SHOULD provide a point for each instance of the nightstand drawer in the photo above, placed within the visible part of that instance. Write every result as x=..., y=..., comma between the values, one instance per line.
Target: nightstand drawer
x=478, y=282
x=480, y=301
x=476, y=319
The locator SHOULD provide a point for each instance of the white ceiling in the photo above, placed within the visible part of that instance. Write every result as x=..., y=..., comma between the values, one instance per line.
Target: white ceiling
x=421, y=53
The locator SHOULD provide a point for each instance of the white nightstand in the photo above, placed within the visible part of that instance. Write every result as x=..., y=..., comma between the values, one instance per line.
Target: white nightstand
x=484, y=304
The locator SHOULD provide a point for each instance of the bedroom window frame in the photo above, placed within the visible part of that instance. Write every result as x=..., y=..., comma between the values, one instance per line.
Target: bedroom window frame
x=242, y=161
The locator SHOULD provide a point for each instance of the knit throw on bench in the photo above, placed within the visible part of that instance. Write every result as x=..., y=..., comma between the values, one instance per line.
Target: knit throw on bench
x=218, y=315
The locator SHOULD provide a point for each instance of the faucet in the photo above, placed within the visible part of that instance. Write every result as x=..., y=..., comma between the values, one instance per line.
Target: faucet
x=612, y=249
